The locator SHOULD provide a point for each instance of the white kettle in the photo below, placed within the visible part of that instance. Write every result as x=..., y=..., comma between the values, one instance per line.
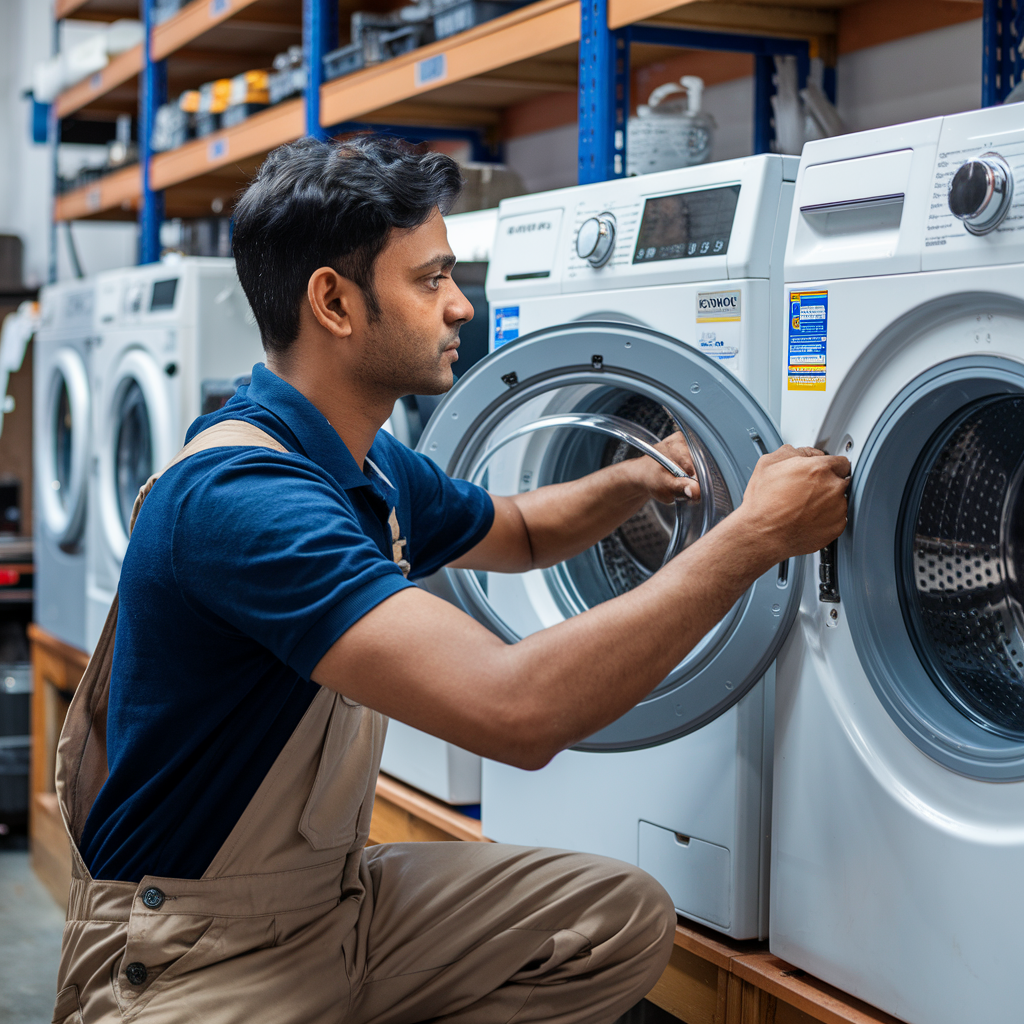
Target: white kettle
x=668, y=133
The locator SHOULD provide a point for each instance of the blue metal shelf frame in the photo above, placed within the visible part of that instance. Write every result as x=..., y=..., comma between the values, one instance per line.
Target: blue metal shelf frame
x=1002, y=63
x=152, y=93
x=604, y=82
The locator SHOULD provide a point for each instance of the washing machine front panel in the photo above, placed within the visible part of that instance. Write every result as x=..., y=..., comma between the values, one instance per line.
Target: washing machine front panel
x=565, y=402
x=63, y=450
x=137, y=440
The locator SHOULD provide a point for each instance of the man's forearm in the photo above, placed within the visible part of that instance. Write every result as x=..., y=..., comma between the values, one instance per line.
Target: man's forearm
x=521, y=703
x=542, y=527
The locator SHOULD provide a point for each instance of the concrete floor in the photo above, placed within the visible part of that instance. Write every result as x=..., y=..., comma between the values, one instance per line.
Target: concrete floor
x=31, y=924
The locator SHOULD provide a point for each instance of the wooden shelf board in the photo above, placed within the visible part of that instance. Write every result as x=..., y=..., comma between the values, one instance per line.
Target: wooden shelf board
x=119, y=190
x=259, y=134
x=823, y=1002
x=192, y=21
x=124, y=67
x=441, y=817
x=799, y=18
x=529, y=32
x=96, y=9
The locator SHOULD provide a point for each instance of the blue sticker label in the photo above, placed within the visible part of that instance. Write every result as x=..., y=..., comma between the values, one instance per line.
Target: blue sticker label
x=506, y=325
x=431, y=70
x=808, y=340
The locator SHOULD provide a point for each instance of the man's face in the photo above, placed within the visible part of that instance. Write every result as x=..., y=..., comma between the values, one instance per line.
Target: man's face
x=412, y=345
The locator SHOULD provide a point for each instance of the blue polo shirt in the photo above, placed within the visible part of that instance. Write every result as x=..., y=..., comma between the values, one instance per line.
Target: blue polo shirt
x=245, y=566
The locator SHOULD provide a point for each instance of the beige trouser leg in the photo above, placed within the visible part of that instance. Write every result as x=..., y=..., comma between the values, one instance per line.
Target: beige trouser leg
x=482, y=933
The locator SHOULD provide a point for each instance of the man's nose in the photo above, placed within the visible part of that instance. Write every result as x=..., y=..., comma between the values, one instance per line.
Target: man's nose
x=460, y=308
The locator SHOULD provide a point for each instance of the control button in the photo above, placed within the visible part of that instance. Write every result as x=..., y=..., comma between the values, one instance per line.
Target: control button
x=136, y=974
x=153, y=898
x=981, y=192
x=596, y=239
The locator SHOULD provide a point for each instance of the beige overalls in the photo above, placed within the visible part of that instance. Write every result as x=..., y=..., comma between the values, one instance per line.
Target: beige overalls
x=294, y=922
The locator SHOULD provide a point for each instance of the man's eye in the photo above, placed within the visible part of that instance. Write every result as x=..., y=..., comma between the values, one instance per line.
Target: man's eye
x=435, y=282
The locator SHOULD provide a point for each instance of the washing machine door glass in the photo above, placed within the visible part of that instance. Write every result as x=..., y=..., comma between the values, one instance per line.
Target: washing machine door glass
x=566, y=402
x=964, y=563
x=64, y=450
x=133, y=449
x=931, y=568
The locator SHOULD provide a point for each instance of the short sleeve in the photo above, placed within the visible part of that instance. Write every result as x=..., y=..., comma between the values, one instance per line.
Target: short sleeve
x=447, y=517
x=270, y=546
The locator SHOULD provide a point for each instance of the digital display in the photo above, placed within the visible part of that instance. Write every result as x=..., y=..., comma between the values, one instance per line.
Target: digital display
x=163, y=294
x=687, y=225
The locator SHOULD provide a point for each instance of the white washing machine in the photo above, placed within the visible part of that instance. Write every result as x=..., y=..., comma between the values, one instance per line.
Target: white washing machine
x=899, y=764
x=623, y=311
x=62, y=419
x=445, y=771
x=173, y=339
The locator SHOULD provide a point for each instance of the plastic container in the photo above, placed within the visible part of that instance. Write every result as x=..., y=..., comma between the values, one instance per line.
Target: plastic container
x=668, y=133
x=459, y=15
x=170, y=128
x=343, y=61
x=239, y=113
x=207, y=124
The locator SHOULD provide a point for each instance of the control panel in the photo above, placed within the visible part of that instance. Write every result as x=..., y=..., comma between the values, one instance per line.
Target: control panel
x=712, y=222
x=975, y=203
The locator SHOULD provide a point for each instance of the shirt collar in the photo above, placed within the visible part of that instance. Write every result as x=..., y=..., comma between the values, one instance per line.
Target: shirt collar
x=318, y=439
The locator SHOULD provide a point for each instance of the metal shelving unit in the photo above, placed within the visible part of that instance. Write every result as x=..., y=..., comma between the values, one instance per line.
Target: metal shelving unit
x=454, y=88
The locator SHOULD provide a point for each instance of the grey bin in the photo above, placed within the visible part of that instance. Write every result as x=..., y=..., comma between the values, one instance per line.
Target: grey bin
x=15, y=742
x=461, y=15
x=14, y=762
x=239, y=113
x=343, y=61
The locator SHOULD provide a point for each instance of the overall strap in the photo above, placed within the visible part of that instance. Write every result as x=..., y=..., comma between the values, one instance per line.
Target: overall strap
x=82, y=749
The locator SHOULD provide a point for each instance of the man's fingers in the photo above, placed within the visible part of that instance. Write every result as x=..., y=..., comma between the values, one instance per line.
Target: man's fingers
x=839, y=464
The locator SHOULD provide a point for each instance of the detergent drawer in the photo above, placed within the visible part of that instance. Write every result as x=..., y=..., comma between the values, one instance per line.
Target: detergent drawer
x=697, y=875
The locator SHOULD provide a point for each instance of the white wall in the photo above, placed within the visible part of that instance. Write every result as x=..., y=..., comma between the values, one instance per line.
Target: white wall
x=545, y=160
x=921, y=76
x=25, y=170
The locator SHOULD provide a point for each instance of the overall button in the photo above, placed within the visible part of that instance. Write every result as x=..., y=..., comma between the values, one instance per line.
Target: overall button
x=136, y=974
x=153, y=898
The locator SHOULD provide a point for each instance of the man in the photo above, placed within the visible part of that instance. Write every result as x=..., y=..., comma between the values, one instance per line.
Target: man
x=219, y=797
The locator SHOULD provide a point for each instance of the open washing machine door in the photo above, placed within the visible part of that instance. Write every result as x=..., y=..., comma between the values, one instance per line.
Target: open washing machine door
x=932, y=567
x=568, y=400
x=136, y=440
x=64, y=450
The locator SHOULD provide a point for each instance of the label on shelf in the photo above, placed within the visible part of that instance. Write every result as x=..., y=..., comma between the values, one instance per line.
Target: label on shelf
x=219, y=7
x=94, y=198
x=217, y=149
x=431, y=70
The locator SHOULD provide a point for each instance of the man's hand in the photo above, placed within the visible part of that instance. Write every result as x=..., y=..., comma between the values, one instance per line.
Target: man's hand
x=657, y=482
x=796, y=500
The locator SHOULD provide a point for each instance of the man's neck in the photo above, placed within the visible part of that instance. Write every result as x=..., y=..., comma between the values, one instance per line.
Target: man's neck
x=355, y=415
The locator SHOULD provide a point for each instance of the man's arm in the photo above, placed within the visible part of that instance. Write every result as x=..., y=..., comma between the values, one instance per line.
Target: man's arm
x=421, y=660
x=551, y=524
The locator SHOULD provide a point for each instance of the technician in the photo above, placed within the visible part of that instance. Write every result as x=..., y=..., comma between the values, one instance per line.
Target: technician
x=218, y=764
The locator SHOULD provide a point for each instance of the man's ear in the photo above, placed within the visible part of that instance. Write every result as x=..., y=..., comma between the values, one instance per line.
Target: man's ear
x=333, y=299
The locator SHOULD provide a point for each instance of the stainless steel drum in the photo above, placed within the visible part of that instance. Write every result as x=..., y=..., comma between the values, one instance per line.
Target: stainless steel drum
x=963, y=563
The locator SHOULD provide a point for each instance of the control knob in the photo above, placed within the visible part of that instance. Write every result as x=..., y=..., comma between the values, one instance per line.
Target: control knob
x=981, y=192
x=596, y=239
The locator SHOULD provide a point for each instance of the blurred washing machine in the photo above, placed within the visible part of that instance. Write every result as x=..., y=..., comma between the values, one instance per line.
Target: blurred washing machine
x=173, y=338
x=899, y=764
x=445, y=771
x=621, y=312
x=62, y=422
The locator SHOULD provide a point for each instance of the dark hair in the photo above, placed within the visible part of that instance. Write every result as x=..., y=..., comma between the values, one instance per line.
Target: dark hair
x=319, y=204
